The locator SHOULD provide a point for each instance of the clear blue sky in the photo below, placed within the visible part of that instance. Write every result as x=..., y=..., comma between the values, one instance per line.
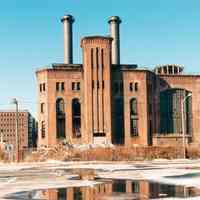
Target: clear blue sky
x=152, y=32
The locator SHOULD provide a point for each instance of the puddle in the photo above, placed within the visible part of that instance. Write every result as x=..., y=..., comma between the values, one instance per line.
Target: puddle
x=109, y=190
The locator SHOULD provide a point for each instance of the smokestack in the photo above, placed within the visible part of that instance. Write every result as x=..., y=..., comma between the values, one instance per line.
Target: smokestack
x=67, y=21
x=114, y=22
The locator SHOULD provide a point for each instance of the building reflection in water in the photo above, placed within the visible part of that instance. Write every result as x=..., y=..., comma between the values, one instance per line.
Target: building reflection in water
x=139, y=190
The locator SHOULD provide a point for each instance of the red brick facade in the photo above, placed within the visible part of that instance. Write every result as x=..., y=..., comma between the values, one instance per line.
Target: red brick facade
x=101, y=102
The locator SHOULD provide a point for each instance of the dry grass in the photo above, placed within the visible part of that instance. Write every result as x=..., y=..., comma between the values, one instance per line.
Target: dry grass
x=3, y=156
x=58, y=152
x=129, y=154
x=193, y=152
x=118, y=153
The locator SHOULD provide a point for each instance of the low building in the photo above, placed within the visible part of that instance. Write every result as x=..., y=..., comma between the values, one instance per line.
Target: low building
x=27, y=130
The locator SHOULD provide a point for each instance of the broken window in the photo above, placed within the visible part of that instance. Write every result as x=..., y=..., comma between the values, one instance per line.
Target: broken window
x=171, y=112
x=133, y=106
x=76, y=117
x=60, y=118
x=133, y=117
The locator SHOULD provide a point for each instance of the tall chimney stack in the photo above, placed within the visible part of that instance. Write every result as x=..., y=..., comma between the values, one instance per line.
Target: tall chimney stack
x=67, y=21
x=114, y=22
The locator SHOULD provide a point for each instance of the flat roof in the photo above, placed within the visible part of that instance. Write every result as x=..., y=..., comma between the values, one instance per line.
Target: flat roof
x=179, y=75
x=61, y=66
x=97, y=36
x=13, y=111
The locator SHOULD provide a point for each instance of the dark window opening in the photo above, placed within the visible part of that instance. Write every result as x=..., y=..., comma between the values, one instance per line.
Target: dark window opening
x=62, y=86
x=135, y=187
x=102, y=58
x=73, y=86
x=133, y=117
x=131, y=87
x=97, y=57
x=133, y=106
x=136, y=87
x=57, y=86
x=170, y=69
x=77, y=194
x=119, y=186
x=78, y=86
x=43, y=129
x=97, y=84
x=99, y=134
x=134, y=127
x=103, y=84
x=43, y=85
x=40, y=87
x=175, y=70
x=62, y=194
x=60, y=118
x=92, y=58
x=42, y=107
x=60, y=106
x=118, y=135
x=76, y=118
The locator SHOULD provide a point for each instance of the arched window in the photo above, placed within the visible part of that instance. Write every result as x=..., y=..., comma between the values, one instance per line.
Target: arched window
x=133, y=106
x=76, y=117
x=60, y=118
x=60, y=106
x=171, y=101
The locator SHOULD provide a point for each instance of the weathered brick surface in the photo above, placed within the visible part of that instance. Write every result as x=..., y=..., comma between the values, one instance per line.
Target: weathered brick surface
x=97, y=96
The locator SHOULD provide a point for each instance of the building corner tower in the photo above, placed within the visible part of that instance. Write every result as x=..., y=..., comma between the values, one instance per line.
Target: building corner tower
x=97, y=88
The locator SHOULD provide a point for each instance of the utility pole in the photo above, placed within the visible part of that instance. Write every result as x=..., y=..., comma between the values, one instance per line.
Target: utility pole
x=14, y=101
x=183, y=123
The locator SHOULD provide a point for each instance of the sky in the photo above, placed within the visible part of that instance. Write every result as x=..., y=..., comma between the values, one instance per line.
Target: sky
x=31, y=36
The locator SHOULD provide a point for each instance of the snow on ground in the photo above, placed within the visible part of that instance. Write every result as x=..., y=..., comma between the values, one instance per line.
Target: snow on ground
x=56, y=174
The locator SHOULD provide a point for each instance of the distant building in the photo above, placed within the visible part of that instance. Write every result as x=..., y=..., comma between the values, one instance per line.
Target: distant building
x=102, y=100
x=27, y=129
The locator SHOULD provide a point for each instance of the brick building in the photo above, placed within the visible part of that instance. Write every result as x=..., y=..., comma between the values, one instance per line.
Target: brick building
x=26, y=129
x=102, y=100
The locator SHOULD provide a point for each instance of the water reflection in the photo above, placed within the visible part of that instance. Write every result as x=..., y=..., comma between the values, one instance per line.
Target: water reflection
x=120, y=189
